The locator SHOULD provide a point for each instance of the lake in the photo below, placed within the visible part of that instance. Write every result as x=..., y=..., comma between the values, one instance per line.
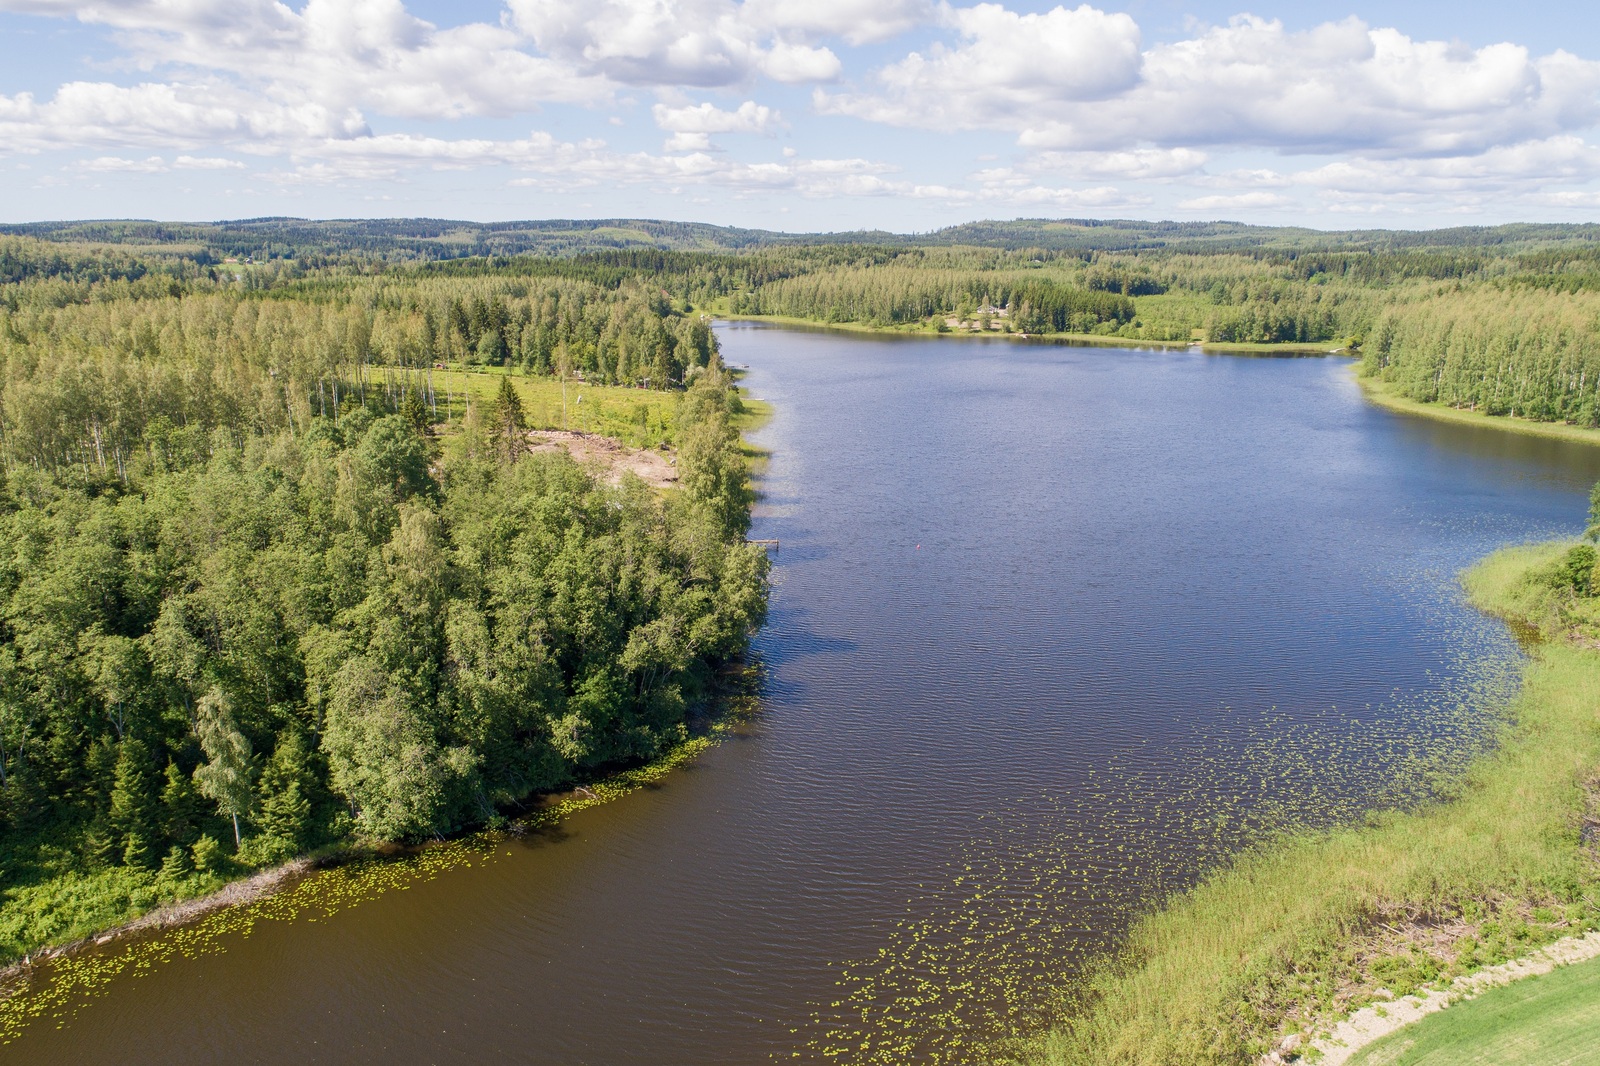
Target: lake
x=1054, y=630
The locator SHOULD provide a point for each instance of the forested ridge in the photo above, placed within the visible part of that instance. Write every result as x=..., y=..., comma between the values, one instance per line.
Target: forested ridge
x=271, y=581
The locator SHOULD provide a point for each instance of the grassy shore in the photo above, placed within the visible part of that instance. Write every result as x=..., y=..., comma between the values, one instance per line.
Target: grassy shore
x=1384, y=394
x=1312, y=926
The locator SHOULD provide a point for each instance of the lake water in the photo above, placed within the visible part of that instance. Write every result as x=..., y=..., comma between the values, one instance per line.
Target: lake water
x=1053, y=630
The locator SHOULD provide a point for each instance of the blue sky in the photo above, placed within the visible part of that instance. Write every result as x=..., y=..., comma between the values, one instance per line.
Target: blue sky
x=800, y=114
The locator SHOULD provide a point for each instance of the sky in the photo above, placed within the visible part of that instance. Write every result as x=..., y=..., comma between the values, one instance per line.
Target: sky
x=801, y=115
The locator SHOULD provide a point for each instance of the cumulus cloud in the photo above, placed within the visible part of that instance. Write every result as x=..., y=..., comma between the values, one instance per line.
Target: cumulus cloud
x=1006, y=69
x=702, y=43
x=855, y=21
x=692, y=127
x=1133, y=163
x=1094, y=110
x=1077, y=80
x=340, y=54
x=1248, y=201
x=175, y=115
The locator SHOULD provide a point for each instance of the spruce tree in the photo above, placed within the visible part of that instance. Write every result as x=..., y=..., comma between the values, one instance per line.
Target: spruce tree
x=135, y=811
x=176, y=866
x=287, y=784
x=415, y=410
x=180, y=807
x=508, y=422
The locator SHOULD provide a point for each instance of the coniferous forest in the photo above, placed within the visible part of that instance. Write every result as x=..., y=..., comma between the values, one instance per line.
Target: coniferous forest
x=273, y=581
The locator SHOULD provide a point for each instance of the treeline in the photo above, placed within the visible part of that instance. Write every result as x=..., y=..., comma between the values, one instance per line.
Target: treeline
x=81, y=385
x=256, y=597
x=901, y=292
x=1509, y=349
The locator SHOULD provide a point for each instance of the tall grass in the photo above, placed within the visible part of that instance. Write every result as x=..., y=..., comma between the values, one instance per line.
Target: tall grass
x=1218, y=974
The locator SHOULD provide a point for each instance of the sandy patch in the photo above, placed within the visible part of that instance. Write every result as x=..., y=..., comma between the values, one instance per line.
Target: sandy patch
x=1380, y=1019
x=658, y=468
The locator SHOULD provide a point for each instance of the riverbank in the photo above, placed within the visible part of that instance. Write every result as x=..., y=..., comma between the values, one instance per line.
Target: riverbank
x=1269, y=952
x=1385, y=395
x=51, y=980
x=925, y=330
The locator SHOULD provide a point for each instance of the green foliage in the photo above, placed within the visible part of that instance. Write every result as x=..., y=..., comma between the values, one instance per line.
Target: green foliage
x=251, y=588
x=227, y=775
x=135, y=816
x=209, y=855
x=508, y=422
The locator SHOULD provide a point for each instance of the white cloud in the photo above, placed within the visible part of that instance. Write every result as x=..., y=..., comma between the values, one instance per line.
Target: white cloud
x=708, y=43
x=798, y=64
x=1249, y=201
x=340, y=54
x=856, y=21
x=644, y=42
x=115, y=164
x=750, y=117
x=167, y=115
x=189, y=162
x=1075, y=79
x=1133, y=163
x=692, y=127
x=1007, y=67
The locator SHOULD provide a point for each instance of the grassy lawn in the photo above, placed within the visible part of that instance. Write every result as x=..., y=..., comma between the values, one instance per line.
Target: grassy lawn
x=1540, y=1021
x=642, y=418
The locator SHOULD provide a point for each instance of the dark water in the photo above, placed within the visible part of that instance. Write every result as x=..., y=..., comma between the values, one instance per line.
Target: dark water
x=1054, y=629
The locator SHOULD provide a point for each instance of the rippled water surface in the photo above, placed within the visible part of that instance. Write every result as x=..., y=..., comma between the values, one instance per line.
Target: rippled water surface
x=1053, y=630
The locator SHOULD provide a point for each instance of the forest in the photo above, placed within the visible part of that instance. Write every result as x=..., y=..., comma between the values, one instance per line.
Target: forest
x=269, y=585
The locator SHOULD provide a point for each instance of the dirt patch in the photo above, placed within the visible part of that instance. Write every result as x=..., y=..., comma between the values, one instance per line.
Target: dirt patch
x=1379, y=1020
x=659, y=469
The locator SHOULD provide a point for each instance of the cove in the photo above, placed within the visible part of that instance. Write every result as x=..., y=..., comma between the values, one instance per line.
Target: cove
x=1053, y=631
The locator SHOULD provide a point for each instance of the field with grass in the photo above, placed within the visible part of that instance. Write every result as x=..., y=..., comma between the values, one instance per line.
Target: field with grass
x=1549, y=1020
x=1312, y=926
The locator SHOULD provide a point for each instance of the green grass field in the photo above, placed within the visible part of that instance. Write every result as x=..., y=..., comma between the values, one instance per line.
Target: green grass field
x=1550, y=1020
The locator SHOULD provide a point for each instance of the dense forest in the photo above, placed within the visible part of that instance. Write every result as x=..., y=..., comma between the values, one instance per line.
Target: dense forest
x=266, y=586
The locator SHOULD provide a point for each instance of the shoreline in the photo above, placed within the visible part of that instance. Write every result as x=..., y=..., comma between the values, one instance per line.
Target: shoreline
x=1382, y=394
x=72, y=966
x=1099, y=340
x=1290, y=948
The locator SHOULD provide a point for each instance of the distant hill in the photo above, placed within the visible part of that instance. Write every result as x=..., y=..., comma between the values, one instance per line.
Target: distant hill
x=432, y=239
